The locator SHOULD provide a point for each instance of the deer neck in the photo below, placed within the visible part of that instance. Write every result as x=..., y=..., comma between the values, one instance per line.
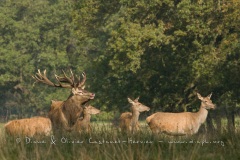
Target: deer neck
x=135, y=116
x=202, y=114
x=72, y=109
x=86, y=117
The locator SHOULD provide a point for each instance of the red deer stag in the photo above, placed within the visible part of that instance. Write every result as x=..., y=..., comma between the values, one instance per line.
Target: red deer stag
x=35, y=126
x=129, y=120
x=63, y=118
x=185, y=123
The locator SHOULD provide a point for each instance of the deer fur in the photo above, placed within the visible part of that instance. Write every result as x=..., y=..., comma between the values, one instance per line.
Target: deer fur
x=129, y=120
x=56, y=104
x=63, y=116
x=35, y=126
x=83, y=124
x=185, y=123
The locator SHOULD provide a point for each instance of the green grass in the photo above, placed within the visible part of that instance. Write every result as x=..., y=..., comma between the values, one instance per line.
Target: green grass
x=107, y=143
x=1, y=129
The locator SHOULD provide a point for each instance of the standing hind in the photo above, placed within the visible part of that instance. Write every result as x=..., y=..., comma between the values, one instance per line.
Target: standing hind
x=185, y=123
x=129, y=120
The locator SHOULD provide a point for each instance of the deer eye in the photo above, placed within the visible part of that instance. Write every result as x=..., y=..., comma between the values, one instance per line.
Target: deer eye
x=80, y=92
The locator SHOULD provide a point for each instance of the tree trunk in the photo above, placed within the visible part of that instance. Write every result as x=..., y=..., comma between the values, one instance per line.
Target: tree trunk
x=210, y=126
x=217, y=116
x=6, y=118
x=231, y=121
x=218, y=121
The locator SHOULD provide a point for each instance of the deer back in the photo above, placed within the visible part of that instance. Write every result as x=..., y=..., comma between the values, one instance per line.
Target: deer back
x=35, y=126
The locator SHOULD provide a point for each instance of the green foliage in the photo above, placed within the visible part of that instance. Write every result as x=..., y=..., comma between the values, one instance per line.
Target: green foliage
x=163, y=51
x=35, y=36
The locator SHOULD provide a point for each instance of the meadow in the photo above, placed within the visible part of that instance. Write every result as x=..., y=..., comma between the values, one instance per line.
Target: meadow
x=106, y=143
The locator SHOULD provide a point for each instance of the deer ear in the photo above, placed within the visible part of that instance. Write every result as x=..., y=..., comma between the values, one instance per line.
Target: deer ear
x=136, y=100
x=209, y=96
x=130, y=101
x=199, y=96
x=83, y=87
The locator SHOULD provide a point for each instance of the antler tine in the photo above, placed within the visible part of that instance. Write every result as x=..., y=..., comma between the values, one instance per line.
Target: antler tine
x=60, y=79
x=72, y=76
x=83, y=81
x=65, y=79
x=43, y=78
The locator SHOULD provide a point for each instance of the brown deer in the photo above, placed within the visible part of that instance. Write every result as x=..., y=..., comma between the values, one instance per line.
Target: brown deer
x=129, y=120
x=83, y=124
x=185, y=123
x=35, y=126
x=63, y=118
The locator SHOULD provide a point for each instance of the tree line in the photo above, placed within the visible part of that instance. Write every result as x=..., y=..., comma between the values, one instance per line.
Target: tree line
x=161, y=50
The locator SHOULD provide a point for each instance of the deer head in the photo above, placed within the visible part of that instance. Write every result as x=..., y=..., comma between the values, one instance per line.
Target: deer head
x=138, y=106
x=77, y=86
x=91, y=110
x=206, y=102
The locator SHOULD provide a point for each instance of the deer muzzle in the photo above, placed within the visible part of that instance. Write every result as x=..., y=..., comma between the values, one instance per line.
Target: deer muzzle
x=92, y=95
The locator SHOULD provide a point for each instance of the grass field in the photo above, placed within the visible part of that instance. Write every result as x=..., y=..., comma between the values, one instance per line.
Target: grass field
x=107, y=143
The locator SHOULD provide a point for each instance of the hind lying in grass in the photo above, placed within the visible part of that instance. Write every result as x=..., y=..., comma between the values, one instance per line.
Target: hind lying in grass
x=30, y=127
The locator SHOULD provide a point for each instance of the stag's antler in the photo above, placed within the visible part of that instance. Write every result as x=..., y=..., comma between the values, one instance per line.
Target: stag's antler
x=81, y=84
x=66, y=79
x=39, y=77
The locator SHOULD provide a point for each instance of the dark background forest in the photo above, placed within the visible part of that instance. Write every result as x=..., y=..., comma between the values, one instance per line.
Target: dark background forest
x=164, y=51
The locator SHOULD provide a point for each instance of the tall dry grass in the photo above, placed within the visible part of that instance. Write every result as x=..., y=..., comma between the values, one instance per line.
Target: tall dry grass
x=107, y=142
